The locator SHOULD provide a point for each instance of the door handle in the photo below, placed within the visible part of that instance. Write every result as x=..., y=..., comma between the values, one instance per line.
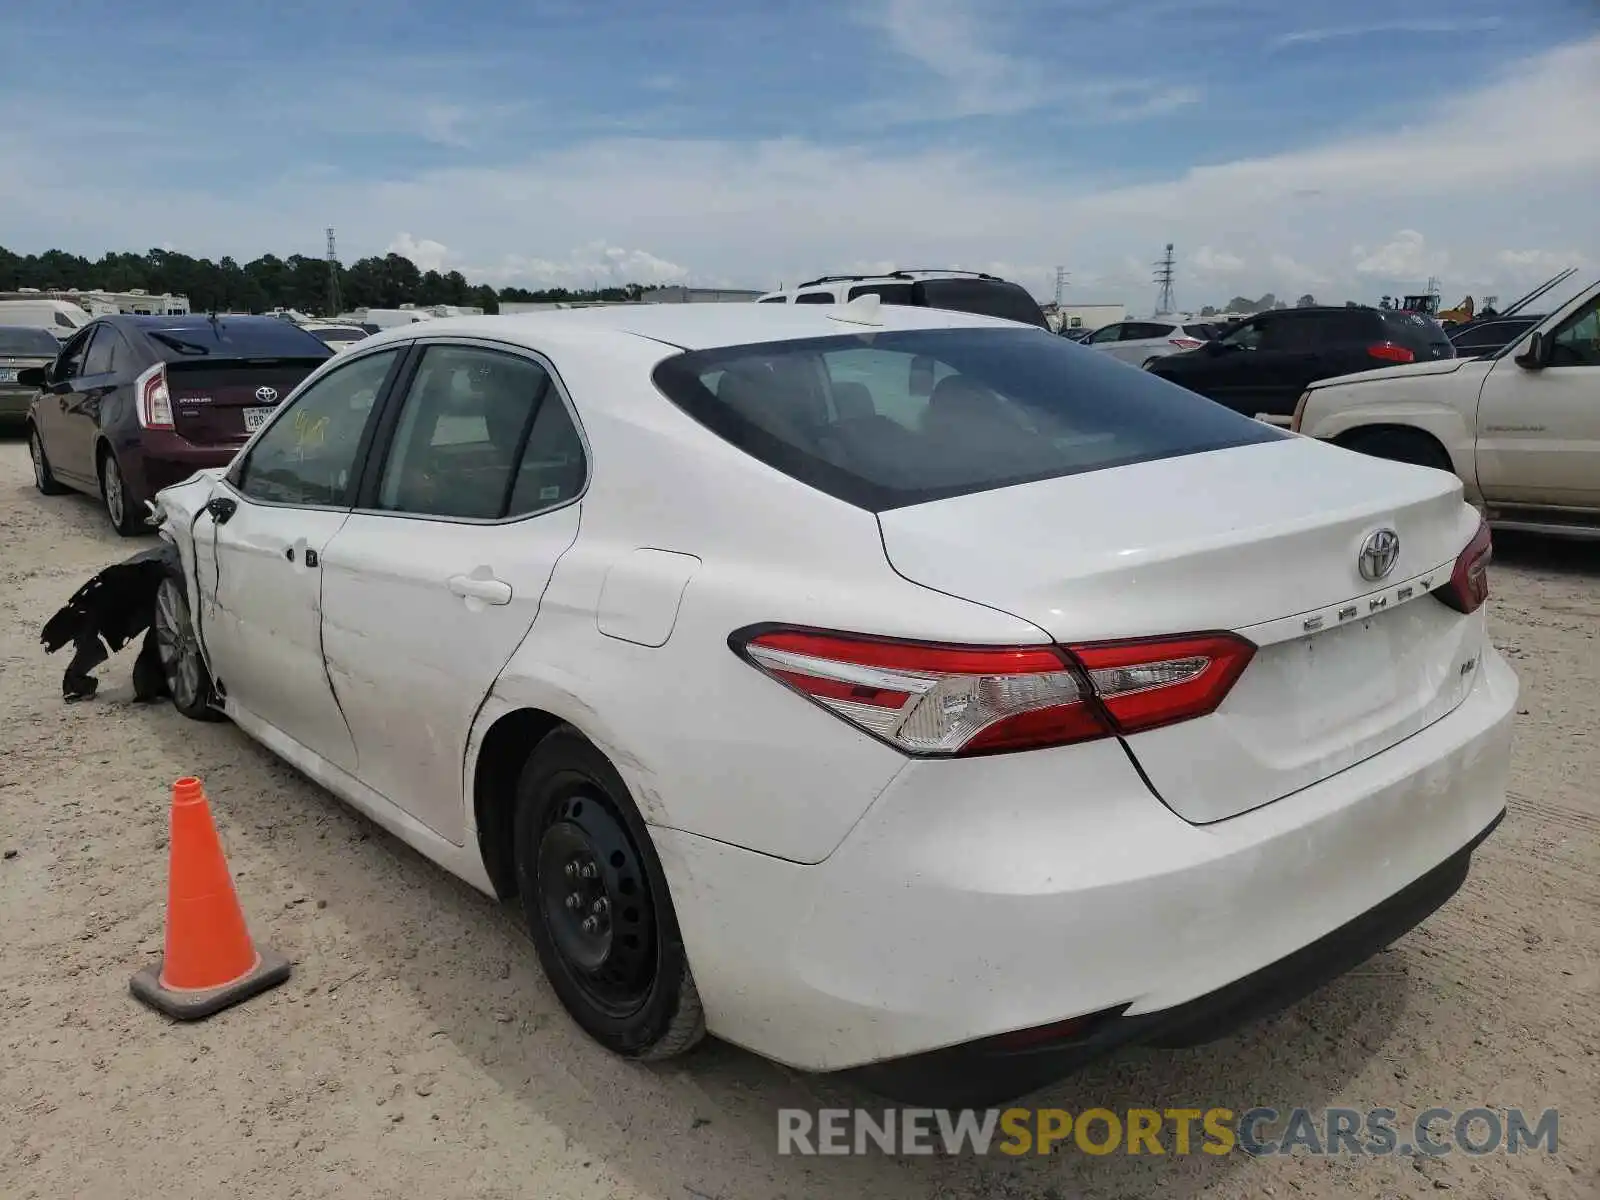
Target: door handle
x=489, y=591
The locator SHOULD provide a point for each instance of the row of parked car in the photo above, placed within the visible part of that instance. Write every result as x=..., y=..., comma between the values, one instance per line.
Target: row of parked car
x=133, y=403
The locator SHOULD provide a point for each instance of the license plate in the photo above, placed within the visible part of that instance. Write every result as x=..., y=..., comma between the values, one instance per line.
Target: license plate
x=255, y=418
x=8, y=375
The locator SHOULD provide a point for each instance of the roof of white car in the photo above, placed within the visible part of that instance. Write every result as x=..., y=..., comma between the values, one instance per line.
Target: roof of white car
x=688, y=326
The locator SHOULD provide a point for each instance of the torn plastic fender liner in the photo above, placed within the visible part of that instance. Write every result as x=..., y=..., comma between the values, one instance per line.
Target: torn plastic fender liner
x=115, y=606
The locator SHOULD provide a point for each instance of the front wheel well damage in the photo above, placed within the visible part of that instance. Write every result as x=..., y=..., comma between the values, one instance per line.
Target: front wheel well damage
x=505, y=749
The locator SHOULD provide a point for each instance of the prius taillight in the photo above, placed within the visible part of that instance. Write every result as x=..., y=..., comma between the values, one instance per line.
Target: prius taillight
x=154, y=400
x=943, y=700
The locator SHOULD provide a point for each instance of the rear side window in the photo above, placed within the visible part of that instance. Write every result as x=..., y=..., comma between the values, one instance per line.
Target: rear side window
x=1320, y=331
x=896, y=418
x=814, y=298
x=17, y=341
x=888, y=293
x=225, y=338
x=1143, y=331
x=985, y=297
x=482, y=435
x=103, y=352
x=774, y=300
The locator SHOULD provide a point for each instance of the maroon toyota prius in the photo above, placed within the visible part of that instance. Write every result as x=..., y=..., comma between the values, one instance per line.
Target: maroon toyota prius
x=134, y=404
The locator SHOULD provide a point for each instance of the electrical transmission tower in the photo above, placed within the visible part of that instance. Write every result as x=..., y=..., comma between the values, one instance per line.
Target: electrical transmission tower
x=335, y=303
x=1163, y=276
x=1061, y=285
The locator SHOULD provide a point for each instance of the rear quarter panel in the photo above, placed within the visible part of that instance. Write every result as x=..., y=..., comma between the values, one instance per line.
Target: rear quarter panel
x=706, y=743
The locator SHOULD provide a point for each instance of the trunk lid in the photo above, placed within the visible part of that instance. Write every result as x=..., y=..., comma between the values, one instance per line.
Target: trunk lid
x=222, y=401
x=1263, y=540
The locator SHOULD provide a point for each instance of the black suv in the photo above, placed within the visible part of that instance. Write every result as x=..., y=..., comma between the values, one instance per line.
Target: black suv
x=1259, y=366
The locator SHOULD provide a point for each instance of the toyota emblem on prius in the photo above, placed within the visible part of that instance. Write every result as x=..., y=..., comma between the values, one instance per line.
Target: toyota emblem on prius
x=1379, y=553
x=267, y=395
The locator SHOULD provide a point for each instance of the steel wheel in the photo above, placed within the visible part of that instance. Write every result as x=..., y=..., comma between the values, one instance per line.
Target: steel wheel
x=595, y=901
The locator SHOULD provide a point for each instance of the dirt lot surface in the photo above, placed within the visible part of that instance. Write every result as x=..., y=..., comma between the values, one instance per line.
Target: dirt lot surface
x=418, y=1052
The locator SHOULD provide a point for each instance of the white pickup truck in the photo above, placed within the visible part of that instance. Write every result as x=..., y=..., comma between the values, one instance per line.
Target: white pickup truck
x=1521, y=427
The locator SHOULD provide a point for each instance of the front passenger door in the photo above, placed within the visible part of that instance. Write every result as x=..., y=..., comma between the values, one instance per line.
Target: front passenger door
x=69, y=457
x=262, y=588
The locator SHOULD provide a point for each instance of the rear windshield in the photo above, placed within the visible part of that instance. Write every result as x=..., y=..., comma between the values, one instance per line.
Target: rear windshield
x=223, y=338
x=986, y=297
x=20, y=342
x=338, y=334
x=890, y=419
x=1205, y=331
x=1420, y=332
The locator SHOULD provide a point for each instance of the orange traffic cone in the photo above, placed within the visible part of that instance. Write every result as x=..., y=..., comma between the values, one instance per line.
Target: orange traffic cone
x=209, y=962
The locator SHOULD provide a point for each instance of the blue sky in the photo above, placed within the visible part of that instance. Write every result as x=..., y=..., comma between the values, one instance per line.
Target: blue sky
x=1350, y=146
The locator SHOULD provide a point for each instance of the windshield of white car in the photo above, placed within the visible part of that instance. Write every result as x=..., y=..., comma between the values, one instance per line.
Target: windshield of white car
x=20, y=341
x=891, y=419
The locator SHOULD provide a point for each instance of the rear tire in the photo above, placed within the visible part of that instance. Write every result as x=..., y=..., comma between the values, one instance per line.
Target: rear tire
x=43, y=478
x=1400, y=445
x=126, y=512
x=597, y=904
x=178, y=646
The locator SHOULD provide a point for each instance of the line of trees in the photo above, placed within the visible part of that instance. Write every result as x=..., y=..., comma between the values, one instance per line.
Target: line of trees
x=270, y=282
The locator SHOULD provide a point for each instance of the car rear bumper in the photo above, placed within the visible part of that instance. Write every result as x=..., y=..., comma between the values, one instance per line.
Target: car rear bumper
x=987, y=896
x=164, y=458
x=15, y=402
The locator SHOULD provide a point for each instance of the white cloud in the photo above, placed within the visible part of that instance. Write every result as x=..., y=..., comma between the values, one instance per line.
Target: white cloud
x=1496, y=175
x=1215, y=262
x=1411, y=25
x=945, y=37
x=1297, y=274
x=1405, y=256
x=426, y=253
x=597, y=264
x=954, y=40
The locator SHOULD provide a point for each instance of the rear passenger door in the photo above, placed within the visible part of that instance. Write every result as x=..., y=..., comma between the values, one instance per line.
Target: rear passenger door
x=434, y=580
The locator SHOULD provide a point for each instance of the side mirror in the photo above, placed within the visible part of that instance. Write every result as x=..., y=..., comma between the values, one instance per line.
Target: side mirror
x=32, y=377
x=1214, y=347
x=1537, y=355
x=922, y=369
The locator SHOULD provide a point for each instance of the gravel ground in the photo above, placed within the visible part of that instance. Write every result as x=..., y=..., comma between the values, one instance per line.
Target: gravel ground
x=418, y=1051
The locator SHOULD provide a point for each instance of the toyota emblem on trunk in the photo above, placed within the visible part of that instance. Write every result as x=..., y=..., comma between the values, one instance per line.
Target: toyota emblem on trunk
x=1379, y=553
x=267, y=395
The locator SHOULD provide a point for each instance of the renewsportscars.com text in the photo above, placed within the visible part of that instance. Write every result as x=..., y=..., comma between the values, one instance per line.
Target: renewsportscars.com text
x=1176, y=1131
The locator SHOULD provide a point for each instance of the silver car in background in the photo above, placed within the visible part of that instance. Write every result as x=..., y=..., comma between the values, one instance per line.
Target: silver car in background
x=21, y=347
x=1140, y=342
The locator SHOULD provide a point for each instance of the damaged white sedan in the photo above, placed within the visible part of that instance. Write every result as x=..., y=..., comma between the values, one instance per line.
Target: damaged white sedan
x=881, y=689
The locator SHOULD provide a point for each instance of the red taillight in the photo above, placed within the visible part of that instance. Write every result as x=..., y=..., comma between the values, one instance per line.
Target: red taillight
x=1469, y=580
x=155, y=402
x=930, y=699
x=1391, y=352
x=1185, y=343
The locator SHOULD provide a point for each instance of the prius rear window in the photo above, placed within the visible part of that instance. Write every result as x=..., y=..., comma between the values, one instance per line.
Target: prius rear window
x=886, y=420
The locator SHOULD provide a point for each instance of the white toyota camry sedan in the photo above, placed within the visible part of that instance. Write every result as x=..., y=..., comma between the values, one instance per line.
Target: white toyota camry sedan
x=882, y=689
